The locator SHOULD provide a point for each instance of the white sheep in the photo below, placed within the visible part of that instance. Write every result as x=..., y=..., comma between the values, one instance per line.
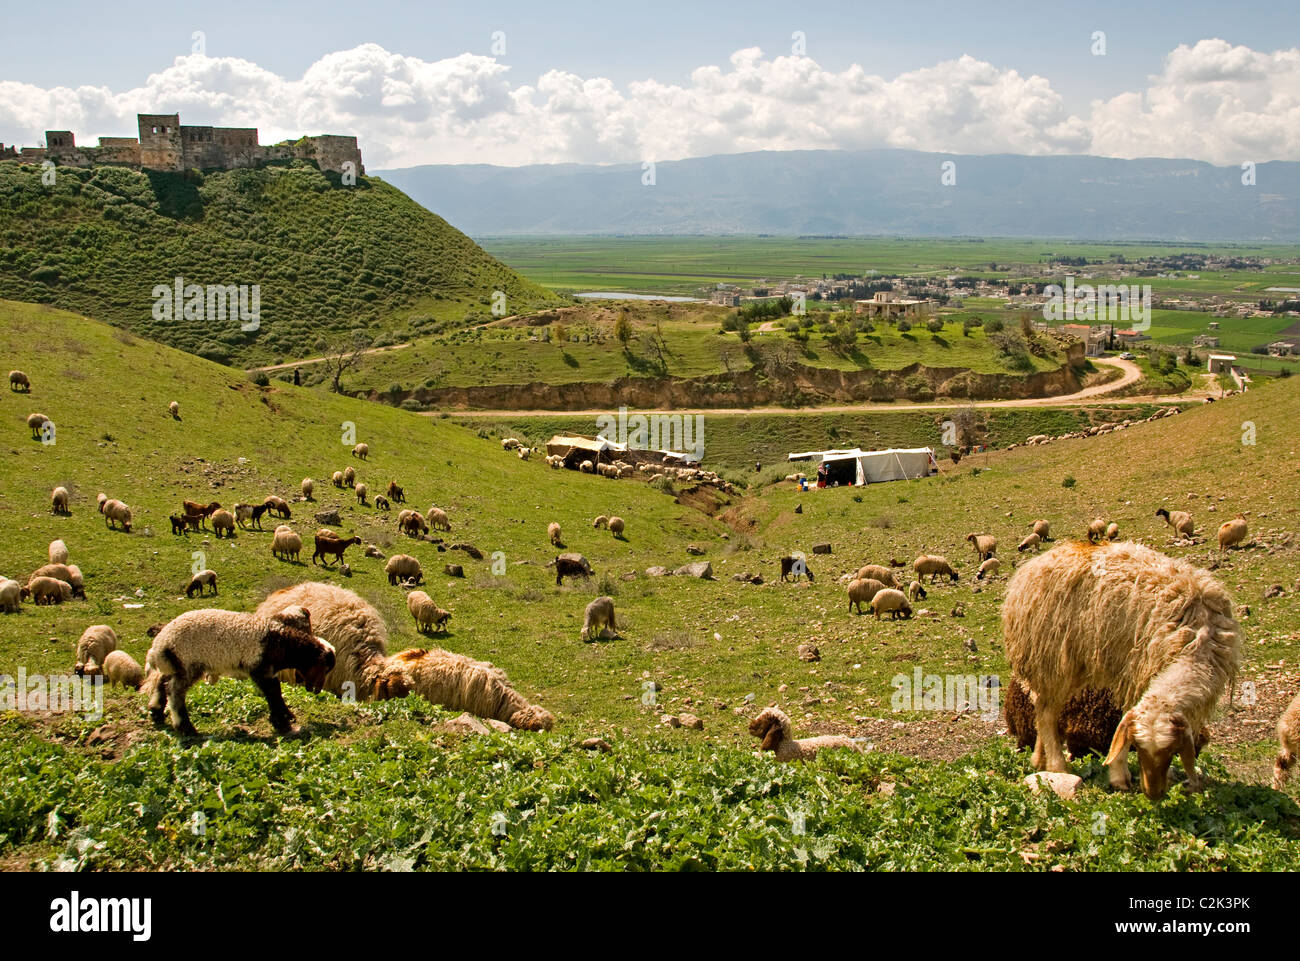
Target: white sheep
x=1097, y=529
x=553, y=533
x=223, y=520
x=616, y=526
x=934, y=567
x=984, y=545
x=524, y=453
x=19, y=381
x=1288, y=738
x=915, y=592
x=598, y=619
x=10, y=596
x=862, y=591
x=1043, y=529
x=509, y=443
x=891, y=602
x=285, y=544
x=121, y=668
x=64, y=572
x=404, y=568
x=174, y=409
x=601, y=521
x=877, y=572
x=361, y=451
x=1031, y=542
x=37, y=422
x=773, y=726
x=59, y=500
x=201, y=580
x=349, y=477
x=308, y=486
x=115, y=512
x=232, y=644
x=1180, y=521
x=93, y=648
x=47, y=590
x=587, y=467
x=361, y=491
x=988, y=569
x=427, y=614
x=1112, y=531
x=1232, y=533
x=58, y=552
x=338, y=478
x=437, y=519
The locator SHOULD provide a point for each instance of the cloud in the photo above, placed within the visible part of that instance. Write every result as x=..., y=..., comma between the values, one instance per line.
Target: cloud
x=1211, y=101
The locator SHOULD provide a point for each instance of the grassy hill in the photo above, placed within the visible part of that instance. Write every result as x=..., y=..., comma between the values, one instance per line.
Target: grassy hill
x=387, y=786
x=328, y=258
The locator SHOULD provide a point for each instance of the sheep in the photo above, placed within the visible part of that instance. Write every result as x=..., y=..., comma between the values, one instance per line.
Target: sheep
x=11, y=593
x=175, y=410
x=509, y=443
x=933, y=566
x=115, y=512
x=381, y=503
x=47, y=590
x=1157, y=632
x=349, y=477
x=437, y=518
x=427, y=614
x=277, y=505
x=862, y=590
x=570, y=565
x=1097, y=529
x=412, y=523
x=223, y=520
x=877, y=573
x=37, y=422
x=64, y=572
x=459, y=683
x=202, y=510
x=1112, y=531
x=915, y=592
x=794, y=566
x=1180, y=521
x=396, y=494
x=587, y=467
x=891, y=602
x=1232, y=533
x=616, y=526
x=244, y=514
x=1288, y=739
x=524, y=453
x=361, y=451
x=1031, y=542
x=988, y=569
x=601, y=521
x=361, y=491
x=308, y=488
x=355, y=629
x=204, y=578
x=232, y=644
x=984, y=545
x=1043, y=529
x=553, y=533
x=58, y=552
x=100, y=499
x=121, y=668
x=181, y=523
x=327, y=542
x=59, y=498
x=773, y=726
x=404, y=567
x=286, y=544
x=93, y=648
x=338, y=478
x=598, y=618
x=20, y=382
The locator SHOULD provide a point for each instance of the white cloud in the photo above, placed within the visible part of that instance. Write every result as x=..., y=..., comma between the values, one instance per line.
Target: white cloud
x=1211, y=101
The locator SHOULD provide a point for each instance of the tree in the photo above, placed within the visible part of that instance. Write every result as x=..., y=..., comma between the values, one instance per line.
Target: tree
x=623, y=328
x=342, y=354
x=561, y=333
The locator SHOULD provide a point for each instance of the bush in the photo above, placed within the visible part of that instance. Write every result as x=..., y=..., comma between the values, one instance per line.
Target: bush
x=935, y=325
x=903, y=325
x=259, y=378
x=994, y=326
x=1069, y=481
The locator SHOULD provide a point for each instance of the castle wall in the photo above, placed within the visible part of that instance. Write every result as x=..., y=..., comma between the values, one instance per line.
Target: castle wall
x=161, y=147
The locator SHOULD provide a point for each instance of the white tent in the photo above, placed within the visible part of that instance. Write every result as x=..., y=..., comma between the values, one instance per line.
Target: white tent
x=860, y=467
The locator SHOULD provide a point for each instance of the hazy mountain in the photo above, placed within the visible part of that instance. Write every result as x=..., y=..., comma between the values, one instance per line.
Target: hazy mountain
x=872, y=192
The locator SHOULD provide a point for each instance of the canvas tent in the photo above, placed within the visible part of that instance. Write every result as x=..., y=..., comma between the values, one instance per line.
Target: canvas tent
x=575, y=448
x=857, y=467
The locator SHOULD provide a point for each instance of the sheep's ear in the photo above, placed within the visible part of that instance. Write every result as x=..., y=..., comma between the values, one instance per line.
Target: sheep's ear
x=1119, y=745
x=773, y=736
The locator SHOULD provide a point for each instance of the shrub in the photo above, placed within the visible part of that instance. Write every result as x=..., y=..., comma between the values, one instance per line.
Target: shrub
x=259, y=378
x=1068, y=481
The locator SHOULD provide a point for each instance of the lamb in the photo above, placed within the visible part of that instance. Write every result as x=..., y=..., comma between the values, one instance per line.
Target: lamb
x=1157, y=632
x=1288, y=738
x=381, y=503
x=412, y=522
x=404, y=567
x=37, y=422
x=794, y=566
x=121, y=668
x=361, y=491
x=327, y=542
x=601, y=521
x=861, y=591
x=338, y=478
x=19, y=381
x=349, y=477
x=598, y=619
x=553, y=534
x=570, y=565
x=308, y=488
x=203, y=510
x=616, y=526
x=286, y=544
x=1032, y=542
x=438, y=519
x=1112, y=531
x=277, y=505
x=1097, y=529
x=985, y=545
x=59, y=500
x=988, y=569
x=93, y=648
x=773, y=726
x=232, y=644
x=427, y=614
x=11, y=593
x=915, y=591
x=891, y=602
x=204, y=578
x=1043, y=529
x=1232, y=533
x=47, y=590
x=175, y=410
x=395, y=493
x=64, y=572
x=1180, y=521
x=58, y=552
x=361, y=451
x=933, y=566
x=877, y=573
x=181, y=523
x=115, y=512
x=223, y=520
x=356, y=630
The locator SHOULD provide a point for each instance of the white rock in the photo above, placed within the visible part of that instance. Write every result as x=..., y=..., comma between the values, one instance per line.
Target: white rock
x=1063, y=785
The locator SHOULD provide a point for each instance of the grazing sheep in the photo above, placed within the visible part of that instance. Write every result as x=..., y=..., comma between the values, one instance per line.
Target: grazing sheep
x=862, y=590
x=338, y=478
x=116, y=513
x=1112, y=531
x=773, y=726
x=277, y=505
x=327, y=543
x=19, y=381
x=524, y=453
x=915, y=592
x=437, y=518
x=933, y=566
x=100, y=499
x=587, y=467
x=793, y=567
x=361, y=491
x=985, y=545
x=459, y=683
x=1043, y=529
x=396, y=494
x=404, y=568
x=509, y=443
x=616, y=526
x=11, y=593
x=601, y=521
x=179, y=523
x=1180, y=521
x=93, y=648
x=205, y=578
x=381, y=503
x=1097, y=529
x=59, y=500
x=1232, y=533
x=1156, y=632
x=361, y=451
x=286, y=544
x=553, y=533
x=231, y=644
x=349, y=477
x=989, y=568
x=121, y=668
x=308, y=487
x=356, y=630
x=877, y=573
x=63, y=572
x=47, y=590
x=412, y=522
x=1288, y=739
x=891, y=602
x=597, y=618
x=223, y=520
x=175, y=410
x=36, y=422
x=203, y=510
x=570, y=565
x=427, y=614
x=1032, y=542
x=58, y=552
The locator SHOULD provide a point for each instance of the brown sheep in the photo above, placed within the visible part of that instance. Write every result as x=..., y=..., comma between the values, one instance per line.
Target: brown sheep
x=773, y=726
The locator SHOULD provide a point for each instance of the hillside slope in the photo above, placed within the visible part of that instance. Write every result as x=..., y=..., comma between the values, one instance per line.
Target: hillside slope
x=328, y=258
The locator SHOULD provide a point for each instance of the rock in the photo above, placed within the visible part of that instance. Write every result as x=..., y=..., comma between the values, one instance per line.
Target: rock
x=1063, y=785
x=783, y=688
x=1243, y=610
x=596, y=744
x=809, y=652
x=467, y=724
x=701, y=569
x=798, y=508
x=821, y=548
x=969, y=644
x=1272, y=591
x=656, y=571
x=958, y=611
x=690, y=721
x=496, y=725
x=373, y=551
x=469, y=549
x=454, y=570
x=693, y=549
x=329, y=516
x=756, y=579
x=886, y=788
x=345, y=570
x=670, y=720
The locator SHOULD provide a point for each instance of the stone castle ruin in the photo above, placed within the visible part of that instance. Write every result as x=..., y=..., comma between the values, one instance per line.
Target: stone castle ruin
x=164, y=144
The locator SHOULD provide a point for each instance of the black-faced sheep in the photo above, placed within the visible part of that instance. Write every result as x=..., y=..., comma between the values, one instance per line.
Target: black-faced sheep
x=1180, y=521
x=892, y=602
x=381, y=503
x=599, y=522
x=403, y=568
x=988, y=569
x=984, y=545
x=570, y=565
x=934, y=567
x=59, y=499
x=597, y=618
x=200, y=581
x=792, y=567
x=915, y=592
x=1288, y=739
x=19, y=381
x=93, y=648
x=277, y=505
x=1232, y=533
x=1031, y=543
x=1158, y=633
x=861, y=591
x=426, y=613
x=232, y=644
x=773, y=726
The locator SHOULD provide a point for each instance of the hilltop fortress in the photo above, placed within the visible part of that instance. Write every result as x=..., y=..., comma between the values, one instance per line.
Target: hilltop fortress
x=164, y=144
